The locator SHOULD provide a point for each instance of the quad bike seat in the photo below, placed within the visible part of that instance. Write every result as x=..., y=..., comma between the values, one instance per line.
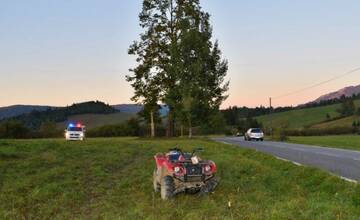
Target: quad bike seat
x=174, y=155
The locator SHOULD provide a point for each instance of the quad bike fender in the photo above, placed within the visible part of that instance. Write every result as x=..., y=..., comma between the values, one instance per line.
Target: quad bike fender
x=160, y=159
x=162, y=163
x=161, y=172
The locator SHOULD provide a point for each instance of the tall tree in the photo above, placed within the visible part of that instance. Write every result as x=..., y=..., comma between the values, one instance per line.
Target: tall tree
x=148, y=75
x=177, y=62
x=202, y=83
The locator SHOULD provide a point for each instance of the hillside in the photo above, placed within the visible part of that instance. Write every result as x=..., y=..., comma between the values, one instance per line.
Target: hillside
x=343, y=122
x=301, y=117
x=34, y=119
x=15, y=110
x=128, y=108
x=96, y=120
x=347, y=92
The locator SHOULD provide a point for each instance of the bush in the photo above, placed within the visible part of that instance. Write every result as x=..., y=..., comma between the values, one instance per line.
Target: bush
x=13, y=129
x=49, y=129
x=129, y=128
x=320, y=132
x=280, y=134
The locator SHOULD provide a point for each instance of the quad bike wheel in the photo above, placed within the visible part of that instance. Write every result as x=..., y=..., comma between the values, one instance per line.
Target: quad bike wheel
x=167, y=187
x=210, y=186
x=155, y=182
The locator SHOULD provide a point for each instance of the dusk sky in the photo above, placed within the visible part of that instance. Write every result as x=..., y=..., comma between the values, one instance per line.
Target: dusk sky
x=61, y=52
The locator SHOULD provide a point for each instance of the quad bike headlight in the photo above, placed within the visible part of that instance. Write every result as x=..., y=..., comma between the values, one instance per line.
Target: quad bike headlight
x=176, y=169
x=207, y=168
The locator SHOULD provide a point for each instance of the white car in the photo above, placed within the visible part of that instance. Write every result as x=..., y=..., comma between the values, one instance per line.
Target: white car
x=254, y=134
x=75, y=132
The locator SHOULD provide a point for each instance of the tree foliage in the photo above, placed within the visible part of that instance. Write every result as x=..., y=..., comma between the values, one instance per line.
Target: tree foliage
x=347, y=107
x=177, y=62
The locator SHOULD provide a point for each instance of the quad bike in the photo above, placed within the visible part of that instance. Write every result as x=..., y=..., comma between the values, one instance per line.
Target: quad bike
x=178, y=172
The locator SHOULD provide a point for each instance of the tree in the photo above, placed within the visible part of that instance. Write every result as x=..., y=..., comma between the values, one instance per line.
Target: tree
x=177, y=62
x=347, y=107
x=358, y=112
x=328, y=117
x=49, y=129
x=151, y=54
x=200, y=86
x=13, y=129
x=151, y=115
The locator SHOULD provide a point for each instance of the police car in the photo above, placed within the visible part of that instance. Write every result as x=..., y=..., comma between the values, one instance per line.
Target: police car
x=75, y=132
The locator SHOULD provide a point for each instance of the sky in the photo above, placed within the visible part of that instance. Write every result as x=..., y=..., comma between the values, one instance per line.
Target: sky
x=63, y=52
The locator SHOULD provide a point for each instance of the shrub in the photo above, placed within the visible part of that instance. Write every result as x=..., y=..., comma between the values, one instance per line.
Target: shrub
x=320, y=132
x=280, y=134
x=13, y=129
x=129, y=128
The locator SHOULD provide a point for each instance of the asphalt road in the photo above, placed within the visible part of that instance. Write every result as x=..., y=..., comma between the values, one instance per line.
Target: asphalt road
x=343, y=163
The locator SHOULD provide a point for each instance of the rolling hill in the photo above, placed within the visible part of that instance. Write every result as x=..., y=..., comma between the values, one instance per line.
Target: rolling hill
x=97, y=120
x=347, y=92
x=34, y=119
x=128, y=108
x=301, y=118
x=15, y=110
x=343, y=122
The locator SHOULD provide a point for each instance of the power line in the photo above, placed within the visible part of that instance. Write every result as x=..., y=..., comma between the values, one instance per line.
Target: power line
x=317, y=84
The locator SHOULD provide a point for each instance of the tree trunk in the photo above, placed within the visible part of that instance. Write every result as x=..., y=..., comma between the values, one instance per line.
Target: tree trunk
x=152, y=125
x=170, y=124
x=190, y=129
x=182, y=130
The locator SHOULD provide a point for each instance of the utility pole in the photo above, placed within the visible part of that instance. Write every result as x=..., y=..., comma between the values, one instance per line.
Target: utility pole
x=270, y=111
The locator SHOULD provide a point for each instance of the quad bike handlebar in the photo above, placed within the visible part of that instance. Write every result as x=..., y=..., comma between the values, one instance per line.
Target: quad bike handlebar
x=196, y=149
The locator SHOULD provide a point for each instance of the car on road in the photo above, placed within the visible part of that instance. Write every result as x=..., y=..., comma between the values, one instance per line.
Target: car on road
x=254, y=134
x=75, y=132
x=177, y=172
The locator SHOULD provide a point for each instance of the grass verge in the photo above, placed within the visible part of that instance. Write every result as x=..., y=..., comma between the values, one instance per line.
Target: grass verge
x=112, y=179
x=350, y=142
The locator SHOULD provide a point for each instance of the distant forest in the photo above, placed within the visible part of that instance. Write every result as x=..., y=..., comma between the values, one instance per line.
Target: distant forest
x=236, y=115
x=42, y=124
x=34, y=119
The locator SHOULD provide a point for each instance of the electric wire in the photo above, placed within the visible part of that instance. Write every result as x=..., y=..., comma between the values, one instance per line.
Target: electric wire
x=317, y=84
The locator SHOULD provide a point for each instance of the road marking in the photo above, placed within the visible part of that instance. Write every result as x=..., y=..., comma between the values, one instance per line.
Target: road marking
x=348, y=179
x=299, y=164
x=296, y=163
x=225, y=143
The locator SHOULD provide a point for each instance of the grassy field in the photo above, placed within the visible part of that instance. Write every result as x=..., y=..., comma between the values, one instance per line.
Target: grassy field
x=343, y=122
x=302, y=117
x=97, y=120
x=112, y=179
x=339, y=141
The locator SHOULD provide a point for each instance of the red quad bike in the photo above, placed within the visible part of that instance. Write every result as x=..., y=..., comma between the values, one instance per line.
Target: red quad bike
x=178, y=172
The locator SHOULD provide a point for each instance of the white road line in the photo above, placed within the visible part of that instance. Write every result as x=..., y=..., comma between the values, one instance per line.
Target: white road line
x=348, y=179
x=296, y=163
x=225, y=143
x=299, y=164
